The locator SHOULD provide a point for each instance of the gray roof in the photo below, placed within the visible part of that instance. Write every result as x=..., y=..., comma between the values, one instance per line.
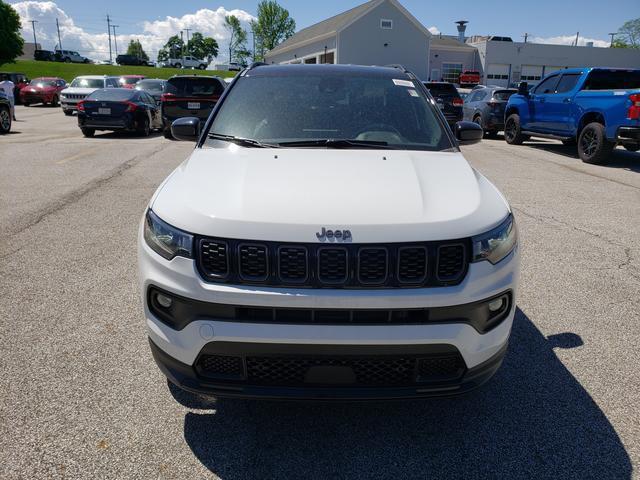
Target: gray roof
x=446, y=41
x=333, y=24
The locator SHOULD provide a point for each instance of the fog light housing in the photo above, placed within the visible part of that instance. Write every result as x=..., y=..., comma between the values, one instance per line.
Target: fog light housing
x=163, y=300
x=496, y=304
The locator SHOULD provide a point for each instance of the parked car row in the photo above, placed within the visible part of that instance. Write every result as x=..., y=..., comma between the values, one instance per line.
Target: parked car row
x=136, y=104
x=67, y=56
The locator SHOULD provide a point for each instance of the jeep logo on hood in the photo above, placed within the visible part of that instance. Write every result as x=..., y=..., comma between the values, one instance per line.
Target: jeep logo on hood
x=331, y=235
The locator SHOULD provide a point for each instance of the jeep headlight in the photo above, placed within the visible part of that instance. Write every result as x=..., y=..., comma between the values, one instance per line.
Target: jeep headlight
x=496, y=243
x=165, y=240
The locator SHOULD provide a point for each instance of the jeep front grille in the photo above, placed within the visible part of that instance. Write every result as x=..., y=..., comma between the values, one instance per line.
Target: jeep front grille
x=346, y=265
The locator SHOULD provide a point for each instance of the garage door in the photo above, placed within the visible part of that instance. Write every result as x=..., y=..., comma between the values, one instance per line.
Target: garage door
x=531, y=73
x=498, y=74
x=550, y=69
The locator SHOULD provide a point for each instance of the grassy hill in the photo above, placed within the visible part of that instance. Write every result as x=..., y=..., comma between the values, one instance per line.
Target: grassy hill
x=69, y=71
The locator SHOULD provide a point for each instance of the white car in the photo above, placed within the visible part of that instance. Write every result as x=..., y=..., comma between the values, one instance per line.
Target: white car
x=327, y=239
x=186, y=62
x=82, y=86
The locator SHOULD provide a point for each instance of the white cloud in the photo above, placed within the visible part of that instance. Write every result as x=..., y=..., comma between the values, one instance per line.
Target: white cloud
x=153, y=36
x=434, y=30
x=569, y=40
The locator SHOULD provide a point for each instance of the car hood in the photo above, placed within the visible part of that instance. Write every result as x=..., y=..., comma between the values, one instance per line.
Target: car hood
x=290, y=194
x=78, y=90
x=30, y=88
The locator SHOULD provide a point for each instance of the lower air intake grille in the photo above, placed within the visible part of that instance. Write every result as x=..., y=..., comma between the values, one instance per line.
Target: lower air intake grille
x=220, y=366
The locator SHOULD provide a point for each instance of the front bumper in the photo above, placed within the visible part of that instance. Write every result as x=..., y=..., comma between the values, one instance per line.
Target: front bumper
x=177, y=351
x=186, y=377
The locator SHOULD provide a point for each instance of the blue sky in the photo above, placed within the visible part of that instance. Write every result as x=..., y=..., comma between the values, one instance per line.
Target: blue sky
x=83, y=23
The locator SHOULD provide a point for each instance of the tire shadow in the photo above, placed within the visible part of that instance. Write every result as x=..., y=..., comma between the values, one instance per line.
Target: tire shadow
x=620, y=158
x=532, y=420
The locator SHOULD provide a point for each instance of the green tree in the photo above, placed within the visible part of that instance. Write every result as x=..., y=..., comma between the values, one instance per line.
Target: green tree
x=135, y=49
x=629, y=33
x=273, y=26
x=11, y=42
x=617, y=43
x=172, y=49
x=200, y=46
x=237, y=38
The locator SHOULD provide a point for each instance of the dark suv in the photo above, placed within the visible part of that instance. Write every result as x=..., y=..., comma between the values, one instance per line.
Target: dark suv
x=189, y=96
x=448, y=99
x=130, y=60
x=485, y=106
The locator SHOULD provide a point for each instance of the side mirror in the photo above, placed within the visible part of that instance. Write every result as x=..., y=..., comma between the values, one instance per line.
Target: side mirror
x=186, y=129
x=523, y=89
x=468, y=132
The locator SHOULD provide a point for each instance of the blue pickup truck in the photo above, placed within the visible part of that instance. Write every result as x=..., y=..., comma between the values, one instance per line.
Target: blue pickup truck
x=597, y=108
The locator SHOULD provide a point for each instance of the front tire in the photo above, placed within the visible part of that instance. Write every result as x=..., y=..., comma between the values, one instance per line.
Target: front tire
x=88, y=132
x=512, y=131
x=68, y=113
x=177, y=65
x=167, y=134
x=54, y=102
x=593, y=146
x=202, y=67
x=5, y=120
x=632, y=148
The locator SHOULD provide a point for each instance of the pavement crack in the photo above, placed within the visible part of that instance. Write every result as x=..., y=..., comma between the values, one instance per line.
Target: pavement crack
x=76, y=195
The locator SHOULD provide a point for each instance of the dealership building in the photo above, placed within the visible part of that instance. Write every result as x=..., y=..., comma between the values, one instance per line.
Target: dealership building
x=383, y=32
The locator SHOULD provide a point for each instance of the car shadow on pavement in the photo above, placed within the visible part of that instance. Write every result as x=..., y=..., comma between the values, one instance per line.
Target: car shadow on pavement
x=532, y=420
x=110, y=135
x=620, y=158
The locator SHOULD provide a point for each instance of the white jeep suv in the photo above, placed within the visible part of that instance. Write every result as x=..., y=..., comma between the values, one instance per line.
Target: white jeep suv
x=83, y=86
x=327, y=239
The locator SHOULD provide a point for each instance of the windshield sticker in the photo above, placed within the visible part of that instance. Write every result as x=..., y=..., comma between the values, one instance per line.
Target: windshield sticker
x=413, y=93
x=402, y=83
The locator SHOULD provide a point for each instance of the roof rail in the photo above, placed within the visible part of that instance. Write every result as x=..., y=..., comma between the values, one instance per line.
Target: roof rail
x=398, y=66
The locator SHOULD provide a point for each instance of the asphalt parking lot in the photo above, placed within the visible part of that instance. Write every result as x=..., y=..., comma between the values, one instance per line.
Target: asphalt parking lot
x=80, y=396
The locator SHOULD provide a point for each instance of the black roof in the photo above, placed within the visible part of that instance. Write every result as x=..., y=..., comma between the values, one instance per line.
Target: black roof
x=326, y=68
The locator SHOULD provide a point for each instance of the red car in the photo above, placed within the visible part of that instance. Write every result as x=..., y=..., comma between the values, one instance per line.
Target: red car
x=43, y=90
x=469, y=77
x=129, y=81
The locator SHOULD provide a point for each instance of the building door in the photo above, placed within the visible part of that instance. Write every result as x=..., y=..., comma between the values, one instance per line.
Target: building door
x=435, y=75
x=531, y=74
x=498, y=74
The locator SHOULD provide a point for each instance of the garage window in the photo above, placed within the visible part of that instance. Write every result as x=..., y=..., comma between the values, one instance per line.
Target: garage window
x=386, y=24
x=451, y=72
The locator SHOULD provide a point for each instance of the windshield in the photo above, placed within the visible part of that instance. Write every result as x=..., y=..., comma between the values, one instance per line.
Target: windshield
x=112, y=95
x=194, y=87
x=305, y=106
x=41, y=82
x=129, y=80
x=503, y=95
x=150, y=85
x=88, y=83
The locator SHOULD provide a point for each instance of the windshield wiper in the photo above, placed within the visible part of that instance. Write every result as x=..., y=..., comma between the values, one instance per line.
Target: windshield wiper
x=337, y=143
x=245, y=142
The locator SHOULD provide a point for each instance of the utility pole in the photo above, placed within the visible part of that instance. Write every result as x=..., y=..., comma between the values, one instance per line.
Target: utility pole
x=253, y=37
x=187, y=44
x=58, y=28
x=612, y=38
x=115, y=41
x=33, y=25
x=526, y=35
x=109, y=33
x=182, y=49
x=577, y=35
